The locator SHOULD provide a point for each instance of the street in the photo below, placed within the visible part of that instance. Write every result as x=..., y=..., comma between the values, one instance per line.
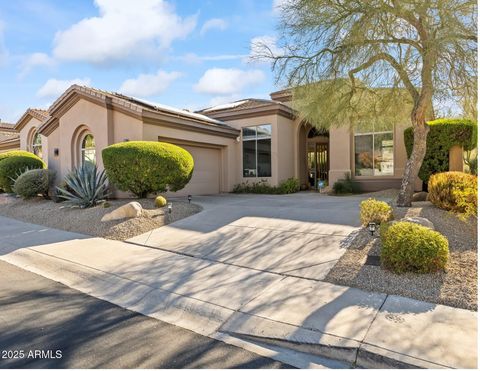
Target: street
x=44, y=324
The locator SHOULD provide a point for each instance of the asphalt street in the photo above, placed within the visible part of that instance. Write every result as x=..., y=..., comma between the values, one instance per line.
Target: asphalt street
x=44, y=324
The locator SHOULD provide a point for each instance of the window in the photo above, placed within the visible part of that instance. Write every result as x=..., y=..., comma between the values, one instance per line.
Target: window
x=374, y=153
x=87, y=150
x=257, y=151
x=37, y=145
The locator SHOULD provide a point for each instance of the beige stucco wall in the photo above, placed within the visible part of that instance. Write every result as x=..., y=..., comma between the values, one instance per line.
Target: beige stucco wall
x=26, y=135
x=455, y=159
x=340, y=152
x=86, y=116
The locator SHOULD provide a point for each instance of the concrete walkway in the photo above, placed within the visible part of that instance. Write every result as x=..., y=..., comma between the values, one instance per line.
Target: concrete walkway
x=260, y=310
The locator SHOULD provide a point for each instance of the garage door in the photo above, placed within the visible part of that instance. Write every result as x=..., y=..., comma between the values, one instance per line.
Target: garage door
x=206, y=174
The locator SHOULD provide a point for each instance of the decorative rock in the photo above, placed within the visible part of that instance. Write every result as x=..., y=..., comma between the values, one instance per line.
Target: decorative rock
x=419, y=196
x=131, y=210
x=419, y=220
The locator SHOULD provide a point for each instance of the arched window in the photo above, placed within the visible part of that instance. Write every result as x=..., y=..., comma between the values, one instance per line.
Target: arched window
x=37, y=145
x=87, y=149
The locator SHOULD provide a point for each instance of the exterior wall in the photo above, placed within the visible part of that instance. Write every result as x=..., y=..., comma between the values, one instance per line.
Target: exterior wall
x=455, y=159
x=228, y=148
x=86, y=116
x=26, y=136
x=282, y=155
x=340, y=153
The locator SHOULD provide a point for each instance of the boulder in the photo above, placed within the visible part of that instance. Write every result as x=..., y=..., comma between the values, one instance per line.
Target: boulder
x=131, y=210
x=419, y=220
x=419, y=196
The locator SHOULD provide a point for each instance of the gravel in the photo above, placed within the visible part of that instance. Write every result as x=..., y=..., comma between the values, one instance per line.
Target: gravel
x=87, y=221
x=457, y=286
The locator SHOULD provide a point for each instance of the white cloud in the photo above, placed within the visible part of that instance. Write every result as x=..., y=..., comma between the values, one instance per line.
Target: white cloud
x=123, y=29
x=227, y=81
x=54, y=87
x=277, y=5
x=261, y=46
x=33, y=60
x=222, y=99
x=213, y=24
x=147, y=85
x=193, y=58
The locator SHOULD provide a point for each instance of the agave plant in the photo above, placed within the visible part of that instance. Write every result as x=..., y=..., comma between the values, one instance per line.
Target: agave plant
x=84, y=187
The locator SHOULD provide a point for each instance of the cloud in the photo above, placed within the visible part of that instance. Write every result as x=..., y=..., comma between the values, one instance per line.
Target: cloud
x=54, y=87
x=278, y=5
x=213, y=24
x=123, y=29
x=227, y=81
x=33, y=60
x=147, y=85
x=193, y=58
x=262, y=46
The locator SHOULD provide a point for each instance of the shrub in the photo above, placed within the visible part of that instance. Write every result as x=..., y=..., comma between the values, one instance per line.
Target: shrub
x=290, y=185
x=372, y=210
x=409, y=247
x=16, y=153
x=85, y=187
x=443, y=135
x=12, y=166
x=160, y=201
x=33, y=183
x=345, y=186
x=454, y=191
x=147, y=167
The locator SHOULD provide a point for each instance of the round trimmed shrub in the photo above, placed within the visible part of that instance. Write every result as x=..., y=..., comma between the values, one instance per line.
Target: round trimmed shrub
x=147, y=167
x=454, y=191
x=33, y=183
x=372, y=210
x=11, y=167
x=160, y=201
x=410, y=247
x=14, y=153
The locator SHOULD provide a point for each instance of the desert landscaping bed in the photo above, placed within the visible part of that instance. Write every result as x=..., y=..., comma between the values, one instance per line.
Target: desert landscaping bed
x=457, y=286
x=88, y=221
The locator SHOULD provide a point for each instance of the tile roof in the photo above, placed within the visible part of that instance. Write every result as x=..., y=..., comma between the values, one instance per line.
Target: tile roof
x=244, y=104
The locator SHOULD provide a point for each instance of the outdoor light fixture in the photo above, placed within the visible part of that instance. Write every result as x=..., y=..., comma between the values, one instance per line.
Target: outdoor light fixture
x=189, y=198
x=169, y=206
x=372, y=226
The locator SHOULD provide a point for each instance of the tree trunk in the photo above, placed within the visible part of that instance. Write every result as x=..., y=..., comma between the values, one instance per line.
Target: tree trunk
x=414, y=163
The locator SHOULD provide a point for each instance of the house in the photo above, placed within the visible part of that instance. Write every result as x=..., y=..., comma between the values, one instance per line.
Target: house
x=9, y=138
x=247, y=140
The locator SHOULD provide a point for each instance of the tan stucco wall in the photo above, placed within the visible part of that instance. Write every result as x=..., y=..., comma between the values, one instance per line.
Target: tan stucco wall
x=340, y=152
x=92, y=117
x=455, y=159
x=26, y=135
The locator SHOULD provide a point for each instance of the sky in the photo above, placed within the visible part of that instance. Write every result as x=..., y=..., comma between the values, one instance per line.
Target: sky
x=187, y=54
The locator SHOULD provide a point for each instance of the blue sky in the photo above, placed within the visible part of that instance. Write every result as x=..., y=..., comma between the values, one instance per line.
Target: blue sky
x=184, y=53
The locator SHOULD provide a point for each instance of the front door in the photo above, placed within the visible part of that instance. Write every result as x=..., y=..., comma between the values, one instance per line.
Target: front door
x=317, y=160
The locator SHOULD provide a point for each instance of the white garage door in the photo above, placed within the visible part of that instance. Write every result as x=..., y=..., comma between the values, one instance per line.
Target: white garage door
x=206, y=174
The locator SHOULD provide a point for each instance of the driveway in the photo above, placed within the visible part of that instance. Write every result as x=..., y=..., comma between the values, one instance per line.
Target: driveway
x=301, y=235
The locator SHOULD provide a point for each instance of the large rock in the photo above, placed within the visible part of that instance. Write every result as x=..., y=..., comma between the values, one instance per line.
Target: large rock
x=419, y=220
x=419, y=196
x=131, y=210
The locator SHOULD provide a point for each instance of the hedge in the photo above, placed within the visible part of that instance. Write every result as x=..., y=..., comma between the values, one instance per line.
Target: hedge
x=12, y=166
x=33, y=183
x=147, y=167
x=14, y=153
x=443, y=135
x=409, y=247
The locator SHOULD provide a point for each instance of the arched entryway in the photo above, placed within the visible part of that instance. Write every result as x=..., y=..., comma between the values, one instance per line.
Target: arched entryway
x=318, y=162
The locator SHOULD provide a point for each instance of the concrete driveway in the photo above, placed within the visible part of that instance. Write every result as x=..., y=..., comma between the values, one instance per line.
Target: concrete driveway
x=301, y=235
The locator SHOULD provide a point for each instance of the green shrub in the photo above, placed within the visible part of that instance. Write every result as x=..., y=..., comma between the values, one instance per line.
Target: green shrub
x=454, y=191
x=372, y=210
x=147, y=167
x=443, y=135
x=160, y=201
x=33, y=183
x=409, y=247
x=85, y=187
x=290, y=185
x=16, y=153
x=345, y=186
x=12, y=166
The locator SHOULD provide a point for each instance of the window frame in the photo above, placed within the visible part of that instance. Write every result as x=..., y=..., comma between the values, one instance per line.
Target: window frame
x=37, y=147
x=372, y=134
x=255, y=140
x=83, y=150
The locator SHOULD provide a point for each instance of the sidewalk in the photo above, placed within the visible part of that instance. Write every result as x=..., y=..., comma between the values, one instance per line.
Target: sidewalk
x=244, y=305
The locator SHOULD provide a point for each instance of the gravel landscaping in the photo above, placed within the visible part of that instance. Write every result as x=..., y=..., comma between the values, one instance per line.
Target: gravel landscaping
x=87, y=221
x=456, y=287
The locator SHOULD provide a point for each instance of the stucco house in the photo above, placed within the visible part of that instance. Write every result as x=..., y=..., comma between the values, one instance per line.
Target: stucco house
x=9, y=138
x=248, y=140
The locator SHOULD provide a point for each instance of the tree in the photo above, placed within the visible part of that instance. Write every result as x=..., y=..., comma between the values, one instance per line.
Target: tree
x=341, y=55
